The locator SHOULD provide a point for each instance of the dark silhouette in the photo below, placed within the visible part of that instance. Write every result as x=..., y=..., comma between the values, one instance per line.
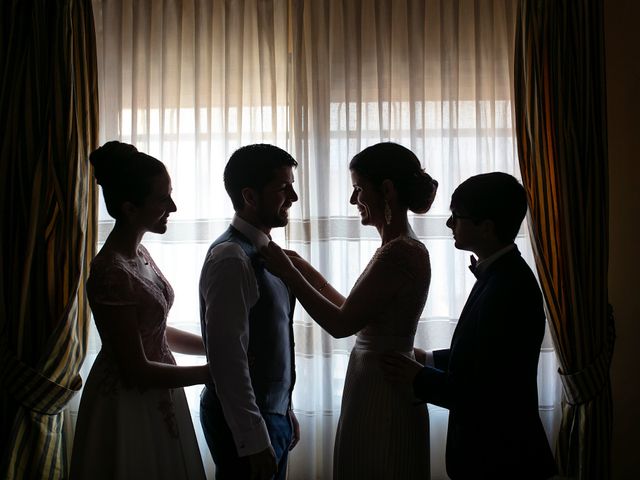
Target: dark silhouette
x=247, y=314
x=134, y=421
x=487, y=378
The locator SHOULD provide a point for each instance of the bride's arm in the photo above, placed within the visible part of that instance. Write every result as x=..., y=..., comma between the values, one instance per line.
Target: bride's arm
x=373, y=291
x=315, y=278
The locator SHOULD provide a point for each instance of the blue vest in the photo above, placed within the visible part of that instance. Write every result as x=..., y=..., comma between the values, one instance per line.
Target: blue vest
x=270, y=354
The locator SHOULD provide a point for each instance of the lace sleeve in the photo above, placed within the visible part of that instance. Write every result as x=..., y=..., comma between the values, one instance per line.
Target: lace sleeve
x=408, y=256
x=111, y=286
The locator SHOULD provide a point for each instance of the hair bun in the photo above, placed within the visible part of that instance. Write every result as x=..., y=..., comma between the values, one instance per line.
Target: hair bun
x=124, y=173
x=109, y=160
x=391, y=161
x=421, y=192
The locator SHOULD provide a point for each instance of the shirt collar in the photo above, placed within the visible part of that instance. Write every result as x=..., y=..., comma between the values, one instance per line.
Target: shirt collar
x=481, y=266
x=257, y=237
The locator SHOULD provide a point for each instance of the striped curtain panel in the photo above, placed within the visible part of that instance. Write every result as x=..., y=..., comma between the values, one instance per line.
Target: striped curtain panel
x=560, y=109
x=48, y=204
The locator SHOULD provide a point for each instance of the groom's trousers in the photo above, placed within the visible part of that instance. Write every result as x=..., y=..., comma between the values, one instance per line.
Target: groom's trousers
x=222, y=446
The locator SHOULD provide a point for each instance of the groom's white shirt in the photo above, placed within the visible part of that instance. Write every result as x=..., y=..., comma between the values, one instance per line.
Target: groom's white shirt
x=230, y=290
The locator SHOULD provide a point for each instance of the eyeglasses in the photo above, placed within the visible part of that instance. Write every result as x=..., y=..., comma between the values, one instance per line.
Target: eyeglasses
x=454, y=216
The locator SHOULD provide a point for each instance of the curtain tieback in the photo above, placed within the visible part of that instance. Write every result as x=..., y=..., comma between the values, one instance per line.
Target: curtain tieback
x=584, y=385
x=32, y=389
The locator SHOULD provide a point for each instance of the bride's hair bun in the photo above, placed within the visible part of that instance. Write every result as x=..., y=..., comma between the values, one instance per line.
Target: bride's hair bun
x=391, y=161
x=420, y=192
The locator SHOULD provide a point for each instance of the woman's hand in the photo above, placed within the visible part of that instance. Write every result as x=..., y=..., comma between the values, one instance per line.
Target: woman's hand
x=300, y=263
x=292, y=254
x=277, y=260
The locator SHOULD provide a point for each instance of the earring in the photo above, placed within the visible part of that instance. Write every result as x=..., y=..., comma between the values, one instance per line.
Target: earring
x=387, y=213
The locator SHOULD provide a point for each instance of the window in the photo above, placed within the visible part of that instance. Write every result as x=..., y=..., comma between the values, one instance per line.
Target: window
x=189, y=83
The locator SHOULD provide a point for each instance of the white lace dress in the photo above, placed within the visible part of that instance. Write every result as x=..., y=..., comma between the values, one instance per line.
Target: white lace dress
x=133, y=433
x=383, y=434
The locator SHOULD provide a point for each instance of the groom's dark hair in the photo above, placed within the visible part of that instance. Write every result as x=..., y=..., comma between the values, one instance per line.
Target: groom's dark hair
x=495, y=196
x=253, y=166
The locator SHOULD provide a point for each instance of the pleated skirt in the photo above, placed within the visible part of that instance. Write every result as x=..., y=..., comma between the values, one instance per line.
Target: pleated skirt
x=383, y=434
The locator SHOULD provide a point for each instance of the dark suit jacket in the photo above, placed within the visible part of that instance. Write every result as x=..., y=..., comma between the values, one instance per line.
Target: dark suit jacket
x=488, y=378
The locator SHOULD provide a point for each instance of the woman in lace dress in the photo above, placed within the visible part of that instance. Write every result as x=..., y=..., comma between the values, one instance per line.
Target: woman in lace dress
x=134, y=421
x=382, y=433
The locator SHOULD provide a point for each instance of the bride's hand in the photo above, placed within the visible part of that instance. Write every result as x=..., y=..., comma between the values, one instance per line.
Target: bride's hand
x=300, y=263
x=291, y=253
x=277, y=260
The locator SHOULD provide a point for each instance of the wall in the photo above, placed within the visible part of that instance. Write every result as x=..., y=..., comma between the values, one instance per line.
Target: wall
x=622, y=40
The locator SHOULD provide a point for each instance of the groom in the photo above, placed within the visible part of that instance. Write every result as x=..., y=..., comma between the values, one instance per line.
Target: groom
x=487, y=378
x=246, y=315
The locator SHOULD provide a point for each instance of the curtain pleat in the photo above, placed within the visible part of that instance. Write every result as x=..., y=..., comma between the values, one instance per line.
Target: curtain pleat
x=48, y=202
x=560, y=106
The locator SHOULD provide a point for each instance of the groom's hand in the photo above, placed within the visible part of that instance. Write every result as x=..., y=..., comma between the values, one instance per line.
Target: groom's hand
x=263, y=464
x=296, y=429
x=421, y=355
x=398, y=368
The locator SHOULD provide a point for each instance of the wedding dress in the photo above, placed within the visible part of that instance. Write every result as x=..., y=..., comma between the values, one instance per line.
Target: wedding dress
x=383, y=433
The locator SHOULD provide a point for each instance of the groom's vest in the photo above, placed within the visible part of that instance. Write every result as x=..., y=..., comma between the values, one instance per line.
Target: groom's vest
x=270, y=354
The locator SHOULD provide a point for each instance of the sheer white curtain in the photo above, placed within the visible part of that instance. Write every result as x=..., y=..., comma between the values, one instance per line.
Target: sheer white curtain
x=190, y=81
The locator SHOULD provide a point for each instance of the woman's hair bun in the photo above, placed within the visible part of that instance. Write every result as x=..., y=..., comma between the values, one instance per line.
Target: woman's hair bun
x=387, y=160
x=420, y=192
x=124, y=173
x=110, y=161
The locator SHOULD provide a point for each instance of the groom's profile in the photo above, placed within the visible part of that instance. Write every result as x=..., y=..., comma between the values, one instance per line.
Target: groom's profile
x=488, y=377
x=246, y=315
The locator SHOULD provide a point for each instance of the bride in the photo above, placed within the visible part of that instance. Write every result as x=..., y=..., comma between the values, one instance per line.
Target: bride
x=382, y=433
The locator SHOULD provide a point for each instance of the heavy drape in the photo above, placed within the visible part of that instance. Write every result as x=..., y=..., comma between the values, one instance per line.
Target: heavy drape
x=560, y=104
x=49, y=108
x=189, y=82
